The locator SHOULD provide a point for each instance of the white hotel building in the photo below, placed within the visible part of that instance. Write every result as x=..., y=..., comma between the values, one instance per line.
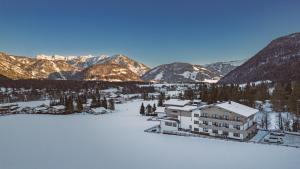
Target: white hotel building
x=226, y=120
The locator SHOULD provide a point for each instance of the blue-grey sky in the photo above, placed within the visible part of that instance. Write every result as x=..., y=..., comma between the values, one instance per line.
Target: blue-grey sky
x=150, y=31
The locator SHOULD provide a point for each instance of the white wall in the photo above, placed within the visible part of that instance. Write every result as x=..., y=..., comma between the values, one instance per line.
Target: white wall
x=185, y=122
x=168, y=128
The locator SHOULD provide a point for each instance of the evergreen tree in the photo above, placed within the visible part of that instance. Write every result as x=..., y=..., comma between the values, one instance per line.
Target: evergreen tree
x=145, y=96
x=279, y=97
x=160, y=101
x=69, y=107
x=293, y=100
x=111, y=104
x=180, y=96
x=104, y=103
x=61, y=100
x=148, y=109
x=189, y=94
x=94, y=102
x=142, y=109
x=262, y=92
x=154, y=108
x=79, y=104
x=204, y=93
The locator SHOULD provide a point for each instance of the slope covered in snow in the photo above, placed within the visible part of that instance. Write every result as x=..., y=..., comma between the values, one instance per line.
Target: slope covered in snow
x=180, y=72
x=118, y=140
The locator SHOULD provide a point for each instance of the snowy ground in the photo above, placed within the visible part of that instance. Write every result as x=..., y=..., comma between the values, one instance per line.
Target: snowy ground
x=117, y=141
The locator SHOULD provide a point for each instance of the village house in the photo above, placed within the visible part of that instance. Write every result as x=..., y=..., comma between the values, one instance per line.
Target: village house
x=98, y=110
x=42, y=109
x=9, y=109
x=59, y=109
x=160, y=111
x=176, y=102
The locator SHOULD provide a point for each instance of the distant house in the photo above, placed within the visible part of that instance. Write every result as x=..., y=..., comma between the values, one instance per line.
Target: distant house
x=98, y=110
x=118, y=98
x=160, y=111
x=198, y=102
x=42, y=109
x=176, y=102
x=9, y=109
x=227, y=119
x=59, y=109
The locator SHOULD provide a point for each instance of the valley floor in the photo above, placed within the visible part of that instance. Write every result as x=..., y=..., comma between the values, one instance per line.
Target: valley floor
x=117, y=140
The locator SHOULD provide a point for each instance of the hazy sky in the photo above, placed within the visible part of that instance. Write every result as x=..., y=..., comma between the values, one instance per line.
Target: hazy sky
x=150, y=31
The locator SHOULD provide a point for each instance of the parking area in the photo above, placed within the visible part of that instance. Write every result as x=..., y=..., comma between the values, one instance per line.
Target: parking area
x=284, y=139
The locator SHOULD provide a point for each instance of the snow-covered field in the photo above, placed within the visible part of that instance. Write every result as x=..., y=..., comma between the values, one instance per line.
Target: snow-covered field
x=117, y=141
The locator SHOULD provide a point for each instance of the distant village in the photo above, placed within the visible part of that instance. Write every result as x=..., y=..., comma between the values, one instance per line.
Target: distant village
x=226, y=112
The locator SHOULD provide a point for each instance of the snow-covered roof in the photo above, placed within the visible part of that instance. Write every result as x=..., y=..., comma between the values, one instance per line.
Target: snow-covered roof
x=99, y=109
x=197, y=101
x=238, y=108
x=41, y=108
x=110, y=90
x=58, y=107
x=185, y=108
x=177, y=102
x=160, y=110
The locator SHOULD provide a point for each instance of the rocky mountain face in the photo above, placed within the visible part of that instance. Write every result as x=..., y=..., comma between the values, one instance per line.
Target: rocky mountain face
x=19, y=67
x=71, y=67
x=108, y=72
x=134, y=66
x=223, y=68
x=278, y=61
x=180, y=72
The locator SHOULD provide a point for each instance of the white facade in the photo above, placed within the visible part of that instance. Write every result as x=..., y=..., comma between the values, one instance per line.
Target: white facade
x=185, y=122
x=168, y=125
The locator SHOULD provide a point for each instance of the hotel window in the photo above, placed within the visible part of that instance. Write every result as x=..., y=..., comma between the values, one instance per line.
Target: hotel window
x=205, y=122
x=225, y=133
x=237, y=118
x=167, y=123
x=196, y=129
x=215, y=131
x=225, y=125
x=205, y=129
x=174, y=111
x=196, y=115
x=236, y=134
x=196, y=122
x=215, y=124
x=237, y=127
x=204, y=115
x=174, y=124
x=225, y=117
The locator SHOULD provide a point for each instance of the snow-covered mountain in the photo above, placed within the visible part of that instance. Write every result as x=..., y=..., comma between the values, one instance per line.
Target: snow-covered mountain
x=122, y=60
x=278, y=61
x=68, y=67
x=223, y=68
x=78, y=61
x=19, y=67
x=180, y=72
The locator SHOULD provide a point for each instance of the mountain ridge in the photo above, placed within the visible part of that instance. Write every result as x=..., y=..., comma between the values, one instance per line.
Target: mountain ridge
x=278, y=61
